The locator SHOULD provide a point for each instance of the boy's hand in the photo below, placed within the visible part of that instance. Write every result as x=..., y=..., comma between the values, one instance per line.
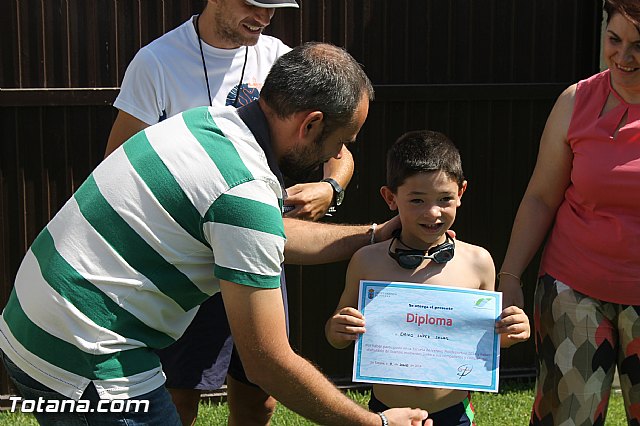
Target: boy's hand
x=344, y=327
x=513, y=326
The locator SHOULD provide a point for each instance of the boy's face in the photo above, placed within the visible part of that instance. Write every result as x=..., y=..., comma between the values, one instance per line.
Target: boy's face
x=427, y=204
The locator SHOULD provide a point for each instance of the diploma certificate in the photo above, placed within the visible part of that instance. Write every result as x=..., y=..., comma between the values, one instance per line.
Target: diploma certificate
x=430, y=336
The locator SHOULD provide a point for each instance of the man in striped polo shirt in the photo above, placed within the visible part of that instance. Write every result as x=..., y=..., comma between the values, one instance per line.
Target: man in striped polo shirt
x=185, y=209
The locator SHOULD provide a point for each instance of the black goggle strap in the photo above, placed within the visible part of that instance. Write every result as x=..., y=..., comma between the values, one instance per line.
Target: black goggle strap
x=410, y=259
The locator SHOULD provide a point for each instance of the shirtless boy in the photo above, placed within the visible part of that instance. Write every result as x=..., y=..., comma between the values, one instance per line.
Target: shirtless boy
x=424, y=184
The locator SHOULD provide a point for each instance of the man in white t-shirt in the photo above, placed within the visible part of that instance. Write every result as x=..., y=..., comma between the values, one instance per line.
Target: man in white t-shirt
x=226, y=42
x=219, y=57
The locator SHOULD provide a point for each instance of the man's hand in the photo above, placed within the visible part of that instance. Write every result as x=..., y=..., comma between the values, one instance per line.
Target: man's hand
x=311, y=201
x=407, y=417
x=513, y=326
x=344, y=327
x=385, y=230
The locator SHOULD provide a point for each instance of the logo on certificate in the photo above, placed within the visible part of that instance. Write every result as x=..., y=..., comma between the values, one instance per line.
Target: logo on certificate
x=371, y=293
x=480, y=303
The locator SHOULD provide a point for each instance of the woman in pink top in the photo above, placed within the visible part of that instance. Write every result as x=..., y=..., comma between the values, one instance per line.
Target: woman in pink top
x=585, y=189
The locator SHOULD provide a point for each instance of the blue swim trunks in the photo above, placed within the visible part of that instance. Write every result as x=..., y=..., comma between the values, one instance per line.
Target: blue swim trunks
x=461, y=414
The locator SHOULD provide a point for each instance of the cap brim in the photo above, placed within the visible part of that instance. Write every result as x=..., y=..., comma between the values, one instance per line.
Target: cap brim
x=273, y=4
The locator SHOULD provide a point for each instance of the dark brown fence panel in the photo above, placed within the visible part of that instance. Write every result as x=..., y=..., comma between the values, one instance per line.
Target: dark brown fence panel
x=485, y=72
x=46, y=153
x=79, y=43
x=461, y=41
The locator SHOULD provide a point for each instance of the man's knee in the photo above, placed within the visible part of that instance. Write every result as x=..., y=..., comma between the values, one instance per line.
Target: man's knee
x=248, y=404
x=270, y=405
x=186, y=402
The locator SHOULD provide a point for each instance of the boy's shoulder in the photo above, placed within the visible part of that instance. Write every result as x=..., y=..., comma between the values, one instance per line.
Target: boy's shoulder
x=472, y=251
x=471, y=266
x=371, y=251
x=373, y=257
x=475, y=256
x=471, y=248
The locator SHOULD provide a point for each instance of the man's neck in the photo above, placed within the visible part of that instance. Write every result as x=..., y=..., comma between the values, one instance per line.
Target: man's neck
x=275, y=125
x=255, y=119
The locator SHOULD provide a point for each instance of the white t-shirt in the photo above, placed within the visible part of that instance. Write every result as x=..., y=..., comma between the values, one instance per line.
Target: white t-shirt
x=166, y=77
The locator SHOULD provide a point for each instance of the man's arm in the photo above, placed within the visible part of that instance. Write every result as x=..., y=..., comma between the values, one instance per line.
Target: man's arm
x=125, y=126
x=256, y=318
x=312, y=243
x=340, y=169
x=312, y=200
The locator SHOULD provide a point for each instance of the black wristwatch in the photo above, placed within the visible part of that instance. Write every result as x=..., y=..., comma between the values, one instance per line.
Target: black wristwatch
x=338, y=192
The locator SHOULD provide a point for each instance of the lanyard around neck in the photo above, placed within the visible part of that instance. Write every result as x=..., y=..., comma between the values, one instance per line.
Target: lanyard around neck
x=206, y=74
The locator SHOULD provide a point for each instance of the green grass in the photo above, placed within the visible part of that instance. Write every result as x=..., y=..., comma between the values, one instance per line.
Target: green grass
x=17, y=419
x=511, y=406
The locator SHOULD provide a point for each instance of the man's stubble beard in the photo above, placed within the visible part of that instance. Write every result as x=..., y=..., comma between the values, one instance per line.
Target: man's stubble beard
x=299, y=164
x=232, y=34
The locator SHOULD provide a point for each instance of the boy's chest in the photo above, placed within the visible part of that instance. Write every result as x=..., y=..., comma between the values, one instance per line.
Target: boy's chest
x=452, y=274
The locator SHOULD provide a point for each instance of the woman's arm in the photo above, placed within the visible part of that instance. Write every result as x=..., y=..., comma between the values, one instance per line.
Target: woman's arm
x=542, y=198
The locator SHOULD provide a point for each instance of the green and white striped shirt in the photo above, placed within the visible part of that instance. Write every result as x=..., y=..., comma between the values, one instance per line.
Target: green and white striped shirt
x=122, y=268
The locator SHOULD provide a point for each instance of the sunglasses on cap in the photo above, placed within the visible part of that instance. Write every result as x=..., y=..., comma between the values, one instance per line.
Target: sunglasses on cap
x=412, y=258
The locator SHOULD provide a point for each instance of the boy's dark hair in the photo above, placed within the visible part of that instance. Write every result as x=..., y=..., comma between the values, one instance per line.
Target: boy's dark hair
x=422, y=151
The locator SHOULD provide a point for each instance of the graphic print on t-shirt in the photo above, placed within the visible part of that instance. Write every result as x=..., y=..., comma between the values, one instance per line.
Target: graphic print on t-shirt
x=248, y=93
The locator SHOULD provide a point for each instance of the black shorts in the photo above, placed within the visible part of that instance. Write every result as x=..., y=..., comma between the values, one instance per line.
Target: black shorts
x=461, y=414
x=200, y=358
x=204, y=354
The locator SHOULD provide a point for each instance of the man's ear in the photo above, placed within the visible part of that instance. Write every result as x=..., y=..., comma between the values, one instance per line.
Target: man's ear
x=389, y=197
x=461, y=191
x=311, y=125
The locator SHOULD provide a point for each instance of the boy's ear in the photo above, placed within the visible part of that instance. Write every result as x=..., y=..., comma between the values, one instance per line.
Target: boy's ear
x=389, y=197
x=461, y=191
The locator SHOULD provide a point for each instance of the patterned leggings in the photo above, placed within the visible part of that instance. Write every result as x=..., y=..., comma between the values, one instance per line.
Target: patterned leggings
x=579, y=342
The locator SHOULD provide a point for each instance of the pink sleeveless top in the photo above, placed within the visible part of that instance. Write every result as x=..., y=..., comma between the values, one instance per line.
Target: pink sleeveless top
x=594, y=246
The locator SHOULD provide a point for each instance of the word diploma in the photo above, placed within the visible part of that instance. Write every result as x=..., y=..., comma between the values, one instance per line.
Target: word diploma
x=429, y=336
